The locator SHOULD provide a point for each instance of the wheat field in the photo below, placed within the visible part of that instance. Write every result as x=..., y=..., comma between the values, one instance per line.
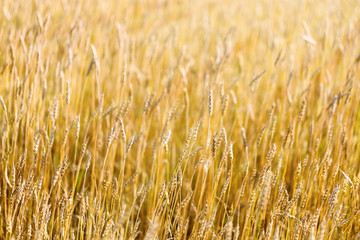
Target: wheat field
x=179, y=119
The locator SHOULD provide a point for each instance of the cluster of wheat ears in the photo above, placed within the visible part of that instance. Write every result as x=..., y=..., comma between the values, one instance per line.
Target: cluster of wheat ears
x=144, y=119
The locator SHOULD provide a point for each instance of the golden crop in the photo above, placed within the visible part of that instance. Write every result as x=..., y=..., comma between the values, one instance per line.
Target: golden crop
x=178, y=119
